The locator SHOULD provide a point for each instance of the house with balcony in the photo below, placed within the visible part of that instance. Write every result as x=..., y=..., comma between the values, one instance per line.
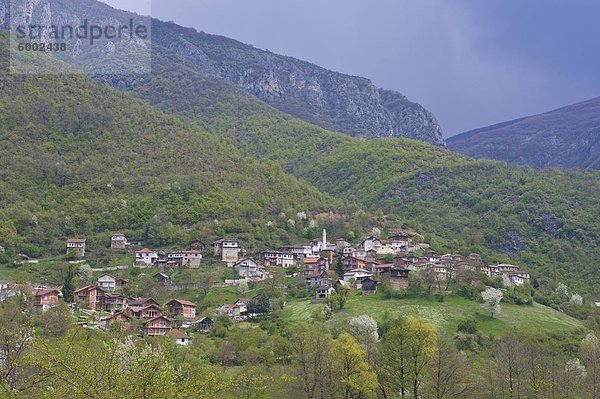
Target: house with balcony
x=76, y=246
x=180, y=307
x=157, y=326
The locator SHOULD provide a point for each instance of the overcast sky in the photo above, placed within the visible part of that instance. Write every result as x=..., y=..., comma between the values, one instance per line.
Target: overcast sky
x=471, y=62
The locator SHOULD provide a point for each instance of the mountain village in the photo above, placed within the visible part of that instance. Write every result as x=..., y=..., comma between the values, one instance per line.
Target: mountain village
x=325, y=266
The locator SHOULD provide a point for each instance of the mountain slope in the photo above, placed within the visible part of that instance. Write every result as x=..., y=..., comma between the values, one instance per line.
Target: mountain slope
x=328, y=99
x=332, y=100
x=82, y=159
x=542, y=219
x=568, y=137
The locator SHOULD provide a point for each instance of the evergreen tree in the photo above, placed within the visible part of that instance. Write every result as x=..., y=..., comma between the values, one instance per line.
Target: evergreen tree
x=68, y=287
x=339, y=267
x=259, y=304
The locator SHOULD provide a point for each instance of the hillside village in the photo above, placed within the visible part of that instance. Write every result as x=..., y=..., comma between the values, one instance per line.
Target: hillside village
x=326, y=268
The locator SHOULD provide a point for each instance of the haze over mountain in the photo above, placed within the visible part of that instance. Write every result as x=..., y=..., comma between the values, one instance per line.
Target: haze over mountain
x=567, y=137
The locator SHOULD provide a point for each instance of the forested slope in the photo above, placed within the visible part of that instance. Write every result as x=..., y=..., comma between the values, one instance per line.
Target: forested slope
x=544, y=219
x=81, y=158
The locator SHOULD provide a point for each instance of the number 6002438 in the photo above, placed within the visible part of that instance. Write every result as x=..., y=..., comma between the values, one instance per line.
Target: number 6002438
x=42, y=47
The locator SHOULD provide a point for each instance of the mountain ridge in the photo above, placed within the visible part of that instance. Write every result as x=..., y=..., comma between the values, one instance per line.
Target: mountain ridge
x=566, y=137
x=332, y=100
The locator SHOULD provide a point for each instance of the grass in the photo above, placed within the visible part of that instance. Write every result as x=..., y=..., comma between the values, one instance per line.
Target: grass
x=530, y=320
x=47, y=272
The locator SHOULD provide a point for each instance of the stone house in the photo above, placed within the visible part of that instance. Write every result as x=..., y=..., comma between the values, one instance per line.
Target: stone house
x=228, y=250
x=191, y=259
x=76, y=246
x=118, y=241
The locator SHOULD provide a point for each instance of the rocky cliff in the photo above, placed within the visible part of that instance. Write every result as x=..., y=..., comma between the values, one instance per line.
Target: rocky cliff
x=332, y=100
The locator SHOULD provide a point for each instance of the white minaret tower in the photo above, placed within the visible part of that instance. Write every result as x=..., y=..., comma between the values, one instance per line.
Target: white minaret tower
x=324, y=240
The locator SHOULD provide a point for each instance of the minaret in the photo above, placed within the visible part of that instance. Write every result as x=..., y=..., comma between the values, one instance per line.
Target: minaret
x=324, y=240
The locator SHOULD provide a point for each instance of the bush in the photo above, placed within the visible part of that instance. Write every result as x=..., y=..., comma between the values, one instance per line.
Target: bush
x=388, y=292
x=518, y=296
x=468, y=337
x=468, y=342
x=469, y=291
x=468, y=326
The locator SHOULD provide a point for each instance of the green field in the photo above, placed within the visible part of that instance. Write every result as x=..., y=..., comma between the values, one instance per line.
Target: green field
x=531, y=320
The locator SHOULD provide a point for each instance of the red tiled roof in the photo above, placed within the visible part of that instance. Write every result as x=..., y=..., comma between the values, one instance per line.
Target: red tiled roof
x=183, y=302
x=158, y=317
x=76, y=240
x=178, y=334
x=86, y=288
x=144, y=251
x=45, y=292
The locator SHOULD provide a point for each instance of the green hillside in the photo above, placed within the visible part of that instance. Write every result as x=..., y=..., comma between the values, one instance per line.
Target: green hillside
x=82, y=159
x=545, y=220
x=530, y=320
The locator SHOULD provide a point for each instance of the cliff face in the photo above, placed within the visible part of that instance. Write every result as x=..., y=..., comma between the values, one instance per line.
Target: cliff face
x=332, y=100
x=568, y=137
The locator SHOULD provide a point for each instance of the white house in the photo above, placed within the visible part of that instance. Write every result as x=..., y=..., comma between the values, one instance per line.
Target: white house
x=145, y=257
x=300, y=251
x=398, y=242
x=181, y=338
x=324, y=292
x=519, y=278
x=107, y=282
x=249, y=268
x=277, y=258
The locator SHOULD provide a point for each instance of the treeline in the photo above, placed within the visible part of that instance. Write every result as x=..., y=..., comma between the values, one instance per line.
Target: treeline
x=44, y=357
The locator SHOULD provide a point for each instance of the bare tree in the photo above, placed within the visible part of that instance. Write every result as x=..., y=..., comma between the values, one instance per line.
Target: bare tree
x=450, y=375
x=313, y=355
x=511, y=364
x=589, y=352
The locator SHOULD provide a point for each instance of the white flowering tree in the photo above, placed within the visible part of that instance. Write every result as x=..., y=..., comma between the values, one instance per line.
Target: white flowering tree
x=491, y=300
x=364, y=327
x=576, y=300
x=562, y=290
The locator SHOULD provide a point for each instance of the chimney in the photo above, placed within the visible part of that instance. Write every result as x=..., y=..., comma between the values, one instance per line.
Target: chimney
x=324, y=240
